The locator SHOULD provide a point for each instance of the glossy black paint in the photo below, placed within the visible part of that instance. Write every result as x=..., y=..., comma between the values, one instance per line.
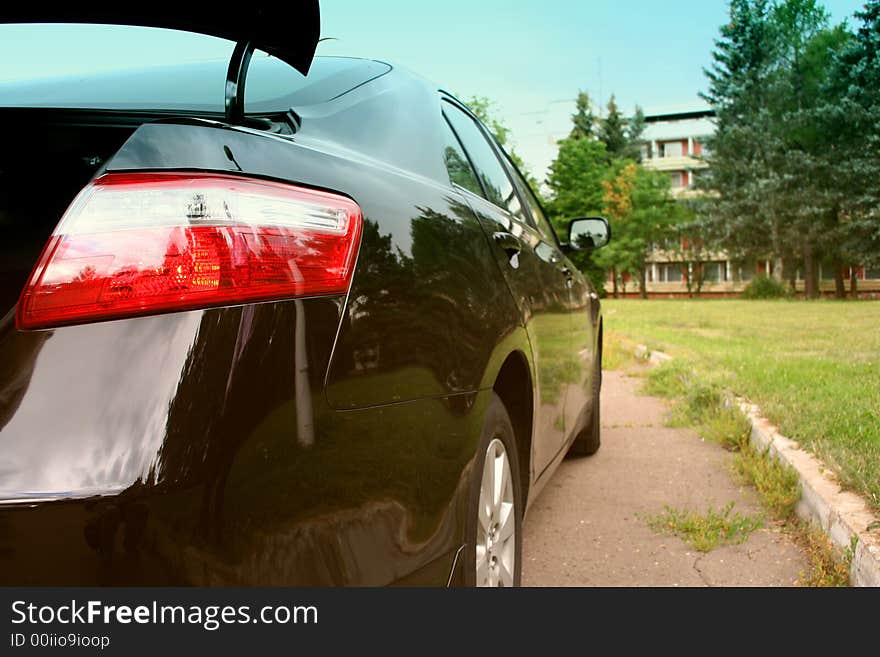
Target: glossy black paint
x=304, y=442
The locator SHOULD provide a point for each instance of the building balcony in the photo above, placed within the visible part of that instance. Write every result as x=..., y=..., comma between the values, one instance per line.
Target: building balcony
x=664, y=256
x=674, y=163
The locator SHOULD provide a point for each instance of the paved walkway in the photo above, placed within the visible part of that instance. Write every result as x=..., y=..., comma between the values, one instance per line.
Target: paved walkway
x=586, y=528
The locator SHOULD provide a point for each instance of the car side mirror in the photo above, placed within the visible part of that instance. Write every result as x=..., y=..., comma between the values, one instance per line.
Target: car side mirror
x=588, y=233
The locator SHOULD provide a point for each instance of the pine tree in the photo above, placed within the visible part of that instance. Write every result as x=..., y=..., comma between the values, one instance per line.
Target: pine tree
x=741, y=58
x=740, y=71
x=583, y=119
x=613, y=131
x=635, y=131
x=769, y=163
x=851, y=117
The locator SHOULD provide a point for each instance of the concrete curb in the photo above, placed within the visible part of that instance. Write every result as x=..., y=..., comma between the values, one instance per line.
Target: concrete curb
x=841, y=514
x=653, y=357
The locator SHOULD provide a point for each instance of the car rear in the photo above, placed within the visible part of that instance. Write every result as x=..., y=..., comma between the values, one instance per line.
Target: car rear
x=164, y=339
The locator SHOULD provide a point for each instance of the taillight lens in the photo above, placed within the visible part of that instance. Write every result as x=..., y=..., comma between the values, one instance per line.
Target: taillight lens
x=143, y=243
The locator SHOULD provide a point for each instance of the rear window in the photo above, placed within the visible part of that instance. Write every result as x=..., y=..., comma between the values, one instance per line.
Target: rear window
x=66, y=66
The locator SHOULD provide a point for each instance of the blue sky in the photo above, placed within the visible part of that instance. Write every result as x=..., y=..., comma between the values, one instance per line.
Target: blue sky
x=529, y=57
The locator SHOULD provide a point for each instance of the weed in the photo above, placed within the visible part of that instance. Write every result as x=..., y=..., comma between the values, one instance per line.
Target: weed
x=814, y=368
x=828, y=564
x=708, y=531
x=727, y=427
x=699, y=402
x=777, y=484
x=668, y=380
x=618, y=353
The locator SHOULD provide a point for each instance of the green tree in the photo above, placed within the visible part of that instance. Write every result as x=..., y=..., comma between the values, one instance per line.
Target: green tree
x=850, y=119
x=575, y=182
x=738, y=78
x=639, y=206
x=622, y=255
x=769, y=153
x=580, y=175
x=583, y=120
x=575, y=179
x=613, y=131
x=801, y=40
x=689, y=244
x=655, y=215
x=741, y=59
x=635, y=131
x=816, y=194
x=622, y=136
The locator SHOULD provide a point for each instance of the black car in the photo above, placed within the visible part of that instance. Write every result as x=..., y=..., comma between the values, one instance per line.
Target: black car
x=319, y=334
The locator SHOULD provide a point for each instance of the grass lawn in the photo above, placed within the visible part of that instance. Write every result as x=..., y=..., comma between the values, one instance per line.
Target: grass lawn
x=814, y=368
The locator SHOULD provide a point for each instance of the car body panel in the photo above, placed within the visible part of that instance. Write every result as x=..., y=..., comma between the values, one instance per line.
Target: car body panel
x=542, y=301
x=194, y=467
x=314, y=441
x=584, y=349
x=427, y=265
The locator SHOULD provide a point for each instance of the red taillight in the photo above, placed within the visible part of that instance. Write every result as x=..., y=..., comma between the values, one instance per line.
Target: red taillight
x=144, y=243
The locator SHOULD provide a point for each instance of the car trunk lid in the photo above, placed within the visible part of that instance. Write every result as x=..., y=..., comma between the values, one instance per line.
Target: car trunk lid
x=288, y=31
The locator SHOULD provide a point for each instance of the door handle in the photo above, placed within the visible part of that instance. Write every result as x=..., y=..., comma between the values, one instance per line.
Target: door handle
x=511, y=245
x=507, y=241
x=569, y=277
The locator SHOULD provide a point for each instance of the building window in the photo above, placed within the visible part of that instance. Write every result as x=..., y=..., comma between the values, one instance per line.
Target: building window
x=747, y=271
x=671, y=149
x=669, y=273
x=676, y=178
x=872, y=274
x=715, y=271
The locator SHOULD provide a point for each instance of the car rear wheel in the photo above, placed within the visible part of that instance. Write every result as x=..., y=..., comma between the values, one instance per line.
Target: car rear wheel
x=494, y=537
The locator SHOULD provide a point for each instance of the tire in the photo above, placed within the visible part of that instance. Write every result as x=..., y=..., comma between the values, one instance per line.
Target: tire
x=489, y=547
x=588, y=441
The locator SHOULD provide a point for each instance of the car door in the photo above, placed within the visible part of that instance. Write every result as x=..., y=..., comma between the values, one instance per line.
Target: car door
x=583, y=305
x=584, y=311
x=535, y=271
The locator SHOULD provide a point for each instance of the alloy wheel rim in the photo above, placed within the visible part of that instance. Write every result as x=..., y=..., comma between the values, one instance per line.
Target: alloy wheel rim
x=496, y=524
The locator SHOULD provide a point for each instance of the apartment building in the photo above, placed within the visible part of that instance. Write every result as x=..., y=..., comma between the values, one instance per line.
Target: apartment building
x=675, y=143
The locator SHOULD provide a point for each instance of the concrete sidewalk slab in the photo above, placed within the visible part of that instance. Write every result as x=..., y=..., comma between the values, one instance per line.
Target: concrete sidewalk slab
x=843, y=515
x=588, y=529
